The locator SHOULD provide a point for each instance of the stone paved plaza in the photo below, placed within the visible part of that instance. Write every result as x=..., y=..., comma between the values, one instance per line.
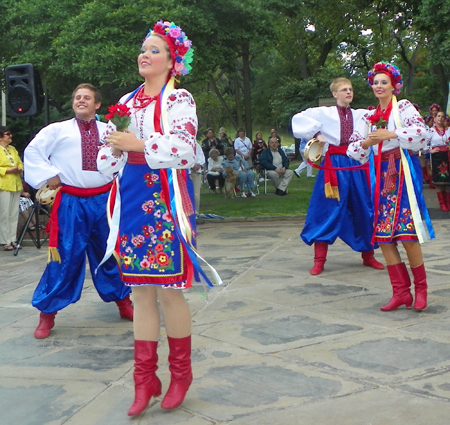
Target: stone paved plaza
x=274, y=345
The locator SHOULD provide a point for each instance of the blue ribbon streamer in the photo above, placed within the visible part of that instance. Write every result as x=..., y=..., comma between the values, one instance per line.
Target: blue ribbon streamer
x=419, y=195
x=373, y=175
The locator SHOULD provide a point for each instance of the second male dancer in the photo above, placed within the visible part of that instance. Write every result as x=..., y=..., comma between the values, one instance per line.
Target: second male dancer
x=348, y=214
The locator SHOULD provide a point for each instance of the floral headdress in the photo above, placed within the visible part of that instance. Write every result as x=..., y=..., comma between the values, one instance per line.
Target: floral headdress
x=435, y=105
x=390, y=70
x=180, y=46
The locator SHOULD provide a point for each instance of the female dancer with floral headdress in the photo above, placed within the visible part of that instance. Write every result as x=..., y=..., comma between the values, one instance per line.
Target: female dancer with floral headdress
x=425, y=159
x=393, y=128
x=429, y=119
x=151, y=235
x=439, y=141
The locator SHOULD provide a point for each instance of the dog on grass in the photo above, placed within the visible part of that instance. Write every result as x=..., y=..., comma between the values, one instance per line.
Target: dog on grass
x=230, y=182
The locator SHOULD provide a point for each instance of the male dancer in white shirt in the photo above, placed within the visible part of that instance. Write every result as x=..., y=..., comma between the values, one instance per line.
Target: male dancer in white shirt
x=64, y=154
x=348, y=213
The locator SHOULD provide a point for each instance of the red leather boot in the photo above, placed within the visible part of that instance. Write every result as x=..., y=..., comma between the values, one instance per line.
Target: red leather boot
x=420, y=287
x=46, y=323
x=442, y=198
x=180, y=371
x=370, y=261
x=320, y=256
x=401, y=283
x=424, y=174
x=447, y=200
x=146, y=383
x=125, y=308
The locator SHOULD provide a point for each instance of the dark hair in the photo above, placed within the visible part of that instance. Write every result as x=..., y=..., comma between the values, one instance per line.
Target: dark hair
x=93, y=89
x=240, y=129
x=3, y=130
x=229, y=151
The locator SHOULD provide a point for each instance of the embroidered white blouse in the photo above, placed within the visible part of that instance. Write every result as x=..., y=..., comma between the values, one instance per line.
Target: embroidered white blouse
x=435, y=139
x=412, y=135
x=57, y=151
x=323, y=119
x=174, y=149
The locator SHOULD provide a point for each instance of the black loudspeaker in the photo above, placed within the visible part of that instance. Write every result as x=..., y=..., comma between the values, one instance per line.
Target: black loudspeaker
x=23, y=91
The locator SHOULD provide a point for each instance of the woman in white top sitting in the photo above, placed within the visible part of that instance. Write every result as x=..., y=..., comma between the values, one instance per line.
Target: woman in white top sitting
x=243, y=146
x=215, y=170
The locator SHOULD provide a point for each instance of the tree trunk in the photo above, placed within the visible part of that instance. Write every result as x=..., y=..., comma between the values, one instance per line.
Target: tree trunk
x=326, y=49
x=237, y=96
x=442, y=76
x=215, y=89
x=303, y=65
x=247, y=89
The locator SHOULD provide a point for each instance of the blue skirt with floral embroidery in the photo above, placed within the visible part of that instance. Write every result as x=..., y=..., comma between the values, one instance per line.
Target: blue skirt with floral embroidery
x=395, y=221
x=149, y=251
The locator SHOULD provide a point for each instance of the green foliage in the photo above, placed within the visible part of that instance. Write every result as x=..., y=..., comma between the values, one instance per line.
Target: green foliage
x=294, y=204
x=210, y=112
x=255, y=60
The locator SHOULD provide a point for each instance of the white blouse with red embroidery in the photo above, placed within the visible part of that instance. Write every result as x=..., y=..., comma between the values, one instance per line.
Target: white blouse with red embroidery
x=437, y=138
x=412, y=135
x=323, y=119
x=174, y=149
x=58, y=150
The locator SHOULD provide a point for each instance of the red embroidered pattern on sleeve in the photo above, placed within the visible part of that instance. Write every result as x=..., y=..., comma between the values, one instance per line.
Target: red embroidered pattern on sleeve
x=186, y=127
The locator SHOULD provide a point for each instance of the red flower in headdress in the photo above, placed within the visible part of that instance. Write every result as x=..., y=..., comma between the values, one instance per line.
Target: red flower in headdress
x=391, y=71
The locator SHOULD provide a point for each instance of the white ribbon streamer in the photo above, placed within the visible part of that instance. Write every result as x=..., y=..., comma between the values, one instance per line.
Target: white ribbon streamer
x=415, y=210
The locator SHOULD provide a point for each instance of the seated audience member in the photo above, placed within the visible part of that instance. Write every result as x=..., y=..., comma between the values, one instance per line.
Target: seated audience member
x=211, y=142
x=245, y=176
x=275, y=161
x=224, y=139
x=258, y=146
x=215, y=170
x=243, y=146
x=273, y=133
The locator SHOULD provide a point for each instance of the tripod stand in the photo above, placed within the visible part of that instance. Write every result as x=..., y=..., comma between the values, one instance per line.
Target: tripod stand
x=35, y=210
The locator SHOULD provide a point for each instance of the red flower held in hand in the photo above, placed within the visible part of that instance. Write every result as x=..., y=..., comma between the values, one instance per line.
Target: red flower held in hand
x=119, y=109
x=378, y=120
x=119, y=115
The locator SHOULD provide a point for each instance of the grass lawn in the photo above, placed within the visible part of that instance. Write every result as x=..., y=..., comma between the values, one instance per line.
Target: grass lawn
x=295, y=203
